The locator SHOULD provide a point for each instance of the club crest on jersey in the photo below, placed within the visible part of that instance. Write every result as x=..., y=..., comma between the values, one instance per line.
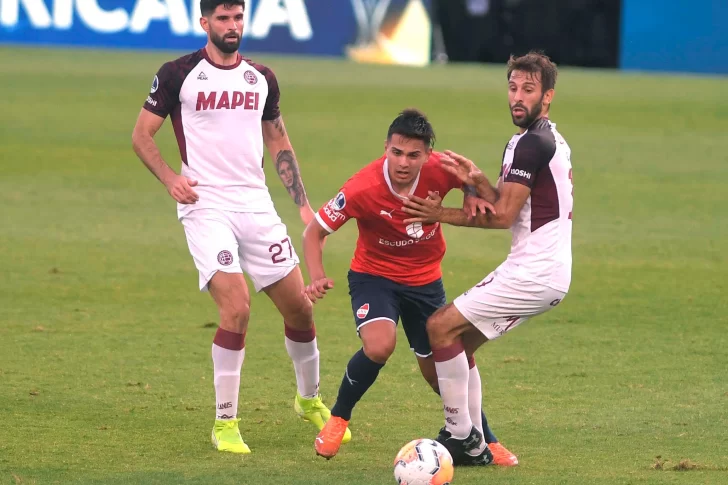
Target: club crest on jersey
x=225, y=257
x=250, y=77
x=363, y=311
x=339, y=201
x=155, y=85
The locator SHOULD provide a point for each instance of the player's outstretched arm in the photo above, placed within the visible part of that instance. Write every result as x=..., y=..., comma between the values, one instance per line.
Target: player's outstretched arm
x=472, y=204
x=313, y=239
x=500, y=215
x=280, y=148
x=142, y=138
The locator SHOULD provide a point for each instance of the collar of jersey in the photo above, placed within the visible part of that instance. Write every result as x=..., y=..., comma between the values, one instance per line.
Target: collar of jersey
x=385, y=172
x=238, y=61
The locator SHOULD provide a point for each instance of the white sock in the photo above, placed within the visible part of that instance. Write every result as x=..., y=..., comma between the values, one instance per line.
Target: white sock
x=475, y=398
x=305, y=357
x=452, y=376
x=227, y=365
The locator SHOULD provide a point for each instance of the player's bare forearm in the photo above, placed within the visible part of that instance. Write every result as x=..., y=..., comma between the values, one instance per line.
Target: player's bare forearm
x=487, y=192
x=456, y=217
x=313, y=237
x=148, y=152
x=287, y=168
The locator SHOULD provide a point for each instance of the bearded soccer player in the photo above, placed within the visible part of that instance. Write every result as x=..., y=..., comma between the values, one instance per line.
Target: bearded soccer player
x=395, y=273
x=534, y=199
x=224, y=110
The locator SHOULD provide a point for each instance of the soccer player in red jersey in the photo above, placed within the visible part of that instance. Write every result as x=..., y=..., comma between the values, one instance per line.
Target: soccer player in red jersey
x=395, y=273
x=224, y=111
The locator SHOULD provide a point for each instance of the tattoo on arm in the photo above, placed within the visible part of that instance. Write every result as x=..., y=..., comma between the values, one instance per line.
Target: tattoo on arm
x=288, y=171
x=470, y=190
x=279, y=126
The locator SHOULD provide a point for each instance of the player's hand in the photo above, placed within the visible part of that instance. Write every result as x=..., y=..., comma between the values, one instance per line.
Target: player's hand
x=427, y=210
x=462, y=168
x=180, y=188
x=318, y=288
x=472, y=205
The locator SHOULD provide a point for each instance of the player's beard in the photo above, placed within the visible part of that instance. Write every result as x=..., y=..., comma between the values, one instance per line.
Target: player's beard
x=530, y=114
x=224, y=46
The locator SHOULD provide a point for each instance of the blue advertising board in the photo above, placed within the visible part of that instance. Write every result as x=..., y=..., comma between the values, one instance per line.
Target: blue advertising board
x=317, y=27
x=677, y=36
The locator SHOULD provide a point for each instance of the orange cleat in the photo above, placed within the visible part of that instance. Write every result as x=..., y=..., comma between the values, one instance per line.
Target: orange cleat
x=329, y=439
x=501, y=455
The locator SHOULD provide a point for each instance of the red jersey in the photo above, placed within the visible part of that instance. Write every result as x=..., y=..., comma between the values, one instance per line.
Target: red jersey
x=409, y=254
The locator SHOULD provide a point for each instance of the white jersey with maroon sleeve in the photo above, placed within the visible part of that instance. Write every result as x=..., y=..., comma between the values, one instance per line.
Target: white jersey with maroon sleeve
x=216, y=112
x=540, y=252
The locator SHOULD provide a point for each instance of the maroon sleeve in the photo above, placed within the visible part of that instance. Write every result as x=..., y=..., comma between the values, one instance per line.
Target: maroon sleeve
x=271, y=109
x=164, y=95
x=532, y=153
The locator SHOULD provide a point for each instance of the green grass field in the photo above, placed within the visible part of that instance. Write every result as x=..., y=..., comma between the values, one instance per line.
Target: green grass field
x=105, y=369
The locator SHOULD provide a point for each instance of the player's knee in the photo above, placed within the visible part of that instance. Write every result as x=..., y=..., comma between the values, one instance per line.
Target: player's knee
x=435, y=328
x=236, y=313
x=300, y=314
x=379, y=352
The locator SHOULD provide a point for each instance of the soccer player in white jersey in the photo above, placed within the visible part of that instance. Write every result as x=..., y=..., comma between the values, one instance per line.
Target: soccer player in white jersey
x=224, y=110
x=533, y=198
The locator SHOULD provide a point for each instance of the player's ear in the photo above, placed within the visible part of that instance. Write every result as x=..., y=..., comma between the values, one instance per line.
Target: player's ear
x=205, y=24
x=548, y=96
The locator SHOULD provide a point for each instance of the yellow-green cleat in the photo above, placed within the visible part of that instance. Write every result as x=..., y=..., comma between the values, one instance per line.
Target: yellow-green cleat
x=315, y=411
x=226, y=436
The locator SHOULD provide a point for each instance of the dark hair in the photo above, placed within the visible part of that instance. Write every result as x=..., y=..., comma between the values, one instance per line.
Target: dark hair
x=535, y=62
x=209, y=6
x=412, y=123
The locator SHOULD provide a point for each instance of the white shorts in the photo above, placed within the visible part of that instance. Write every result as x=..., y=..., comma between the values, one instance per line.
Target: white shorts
x=498, y=304
x=256, y=244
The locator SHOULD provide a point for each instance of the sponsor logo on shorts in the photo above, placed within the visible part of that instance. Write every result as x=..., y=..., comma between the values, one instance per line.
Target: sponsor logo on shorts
x=363, y=311
x=225, y=257
x=555, y=302
x=250, y=77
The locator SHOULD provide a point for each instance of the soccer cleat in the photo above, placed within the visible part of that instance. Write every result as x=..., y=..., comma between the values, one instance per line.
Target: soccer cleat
x=462, y=450
x=331, y=436
x=226, y=436
x=501, y=455
x=314, y=411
